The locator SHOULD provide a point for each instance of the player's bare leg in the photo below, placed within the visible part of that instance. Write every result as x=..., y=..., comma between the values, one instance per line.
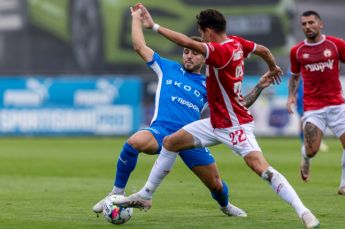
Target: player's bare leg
x=279, y=184
x=161, y=168
x=341, y=190
x=312, y=140
x=141, y=141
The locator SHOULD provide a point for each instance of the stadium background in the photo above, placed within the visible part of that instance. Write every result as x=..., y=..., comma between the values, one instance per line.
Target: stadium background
x=75, y=58
x=49, y=87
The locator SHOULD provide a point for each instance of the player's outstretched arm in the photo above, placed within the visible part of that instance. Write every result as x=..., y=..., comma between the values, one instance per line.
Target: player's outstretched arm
x=138, y=39
x=267, y=56
x=293, y=87
x=178, y=38
x=265, y=81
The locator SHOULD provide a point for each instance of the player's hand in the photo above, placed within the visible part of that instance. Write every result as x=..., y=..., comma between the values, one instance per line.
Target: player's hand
x=146, y=17
x=136, y=11
x=276, y=74
x=291, y=102
x=266, y=80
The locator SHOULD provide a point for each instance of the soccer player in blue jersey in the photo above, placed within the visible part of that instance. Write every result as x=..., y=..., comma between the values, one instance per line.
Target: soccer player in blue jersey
x=180, y=99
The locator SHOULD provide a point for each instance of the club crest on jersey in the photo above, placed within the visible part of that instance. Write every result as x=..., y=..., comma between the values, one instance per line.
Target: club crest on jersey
x=306, y=55
x=327, y=53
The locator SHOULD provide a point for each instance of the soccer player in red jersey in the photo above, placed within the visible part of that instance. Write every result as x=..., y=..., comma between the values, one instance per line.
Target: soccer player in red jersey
x=230, y=121
x=317, y=59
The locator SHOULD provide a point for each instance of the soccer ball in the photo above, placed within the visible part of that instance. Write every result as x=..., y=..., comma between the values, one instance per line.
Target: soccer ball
x=116, y=214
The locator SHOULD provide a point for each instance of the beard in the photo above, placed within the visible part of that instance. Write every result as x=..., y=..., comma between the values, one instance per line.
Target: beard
x=311, y=35
x=191, y=68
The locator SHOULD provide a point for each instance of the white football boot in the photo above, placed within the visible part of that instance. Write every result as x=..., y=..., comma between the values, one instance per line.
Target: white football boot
x=98, y=207
x=232, y=210
x=134, y=201
x=309, y=220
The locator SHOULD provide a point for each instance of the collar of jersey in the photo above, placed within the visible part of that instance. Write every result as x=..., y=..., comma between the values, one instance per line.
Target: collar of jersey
x=317, y=43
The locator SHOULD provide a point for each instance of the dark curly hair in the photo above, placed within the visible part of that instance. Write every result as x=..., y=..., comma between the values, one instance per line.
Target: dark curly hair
x=212, y=19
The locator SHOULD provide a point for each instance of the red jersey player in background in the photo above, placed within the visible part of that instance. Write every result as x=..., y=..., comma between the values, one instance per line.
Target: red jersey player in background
x=230, y=122
x=317, y=59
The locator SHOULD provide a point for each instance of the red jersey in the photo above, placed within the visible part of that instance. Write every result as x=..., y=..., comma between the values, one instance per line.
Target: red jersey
x=224, y=73
x=319, y=64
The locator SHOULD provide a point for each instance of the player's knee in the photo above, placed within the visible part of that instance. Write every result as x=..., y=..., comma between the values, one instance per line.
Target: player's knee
x=136, y=144
x=311, y=151
x=169, y=143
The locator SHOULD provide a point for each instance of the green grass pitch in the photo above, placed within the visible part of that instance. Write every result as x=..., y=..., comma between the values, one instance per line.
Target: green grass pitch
x=54, y=182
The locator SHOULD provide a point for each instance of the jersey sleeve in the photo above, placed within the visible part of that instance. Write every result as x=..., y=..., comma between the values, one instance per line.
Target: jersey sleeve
x=217, y=54
x=248, y=47
x=156, y=58
x=156, y=64
x=294, y=64
x=341, y=49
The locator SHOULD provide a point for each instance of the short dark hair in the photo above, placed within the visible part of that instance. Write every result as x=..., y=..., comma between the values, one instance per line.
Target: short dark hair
x=212, y=19
x=311, y=12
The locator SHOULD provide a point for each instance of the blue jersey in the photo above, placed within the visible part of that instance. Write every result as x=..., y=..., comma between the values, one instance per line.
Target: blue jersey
x=180, y=96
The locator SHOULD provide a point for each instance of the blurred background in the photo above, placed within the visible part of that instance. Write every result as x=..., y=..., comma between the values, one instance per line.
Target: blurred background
x=67, y=66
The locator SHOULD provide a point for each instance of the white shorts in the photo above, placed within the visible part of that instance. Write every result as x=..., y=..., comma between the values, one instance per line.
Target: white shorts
x=240, y=139
x=332, y=117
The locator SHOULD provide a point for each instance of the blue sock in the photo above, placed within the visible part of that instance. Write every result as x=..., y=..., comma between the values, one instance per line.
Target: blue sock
x=222, y=197
x=125, y=165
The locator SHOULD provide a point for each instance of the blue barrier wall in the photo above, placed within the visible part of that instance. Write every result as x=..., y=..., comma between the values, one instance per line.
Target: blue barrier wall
x=70, y=105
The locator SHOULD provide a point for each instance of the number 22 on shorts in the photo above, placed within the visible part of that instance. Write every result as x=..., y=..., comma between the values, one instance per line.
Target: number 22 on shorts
x=237, y=136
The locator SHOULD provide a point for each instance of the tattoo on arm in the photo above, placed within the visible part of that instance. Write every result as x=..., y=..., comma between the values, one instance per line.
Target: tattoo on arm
x=293, y=84
x=251, y=97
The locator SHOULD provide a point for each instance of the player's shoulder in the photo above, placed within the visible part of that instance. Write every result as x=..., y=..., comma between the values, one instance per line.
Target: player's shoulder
x=230, y=40
x=334, y=39
x=236, y=38
x=169, y=63
x=297, y=46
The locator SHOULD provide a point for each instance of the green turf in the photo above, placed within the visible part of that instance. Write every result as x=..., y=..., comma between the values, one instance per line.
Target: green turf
x=54, y=182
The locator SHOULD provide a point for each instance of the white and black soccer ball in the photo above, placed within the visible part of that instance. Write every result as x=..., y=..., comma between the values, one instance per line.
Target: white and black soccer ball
x=116, y=214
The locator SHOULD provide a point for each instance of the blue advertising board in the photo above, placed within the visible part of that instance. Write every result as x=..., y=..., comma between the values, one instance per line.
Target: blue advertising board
x=70, y=105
